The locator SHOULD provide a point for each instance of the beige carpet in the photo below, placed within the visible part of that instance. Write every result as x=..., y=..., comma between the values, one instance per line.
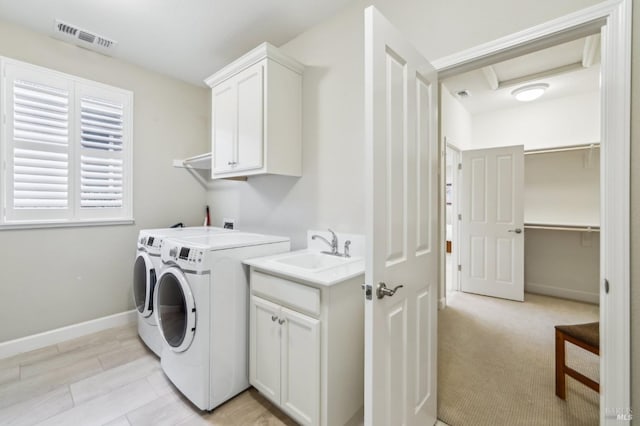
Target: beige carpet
x=496, y=362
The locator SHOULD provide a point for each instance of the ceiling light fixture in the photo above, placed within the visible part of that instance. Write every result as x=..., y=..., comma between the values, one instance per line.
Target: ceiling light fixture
x=530, y=92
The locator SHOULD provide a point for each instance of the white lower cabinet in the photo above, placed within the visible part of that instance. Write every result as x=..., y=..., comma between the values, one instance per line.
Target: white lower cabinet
x=306, y=348
x=265, y=340
x=285, y=358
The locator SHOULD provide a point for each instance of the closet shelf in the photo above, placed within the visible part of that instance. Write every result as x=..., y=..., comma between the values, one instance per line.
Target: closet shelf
x=562, y=227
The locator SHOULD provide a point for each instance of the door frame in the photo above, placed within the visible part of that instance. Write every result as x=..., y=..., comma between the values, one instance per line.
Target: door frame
x=614, y=18
x=455, y=223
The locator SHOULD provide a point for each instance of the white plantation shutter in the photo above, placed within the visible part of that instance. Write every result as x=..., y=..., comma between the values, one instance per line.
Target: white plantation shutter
x=101, y=161
x=37, y=149
x=101, y=182
x=66, y=146
x=40, y=179
x=40, y=113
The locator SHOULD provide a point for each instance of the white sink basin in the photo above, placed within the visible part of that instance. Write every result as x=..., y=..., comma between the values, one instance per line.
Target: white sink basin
x=315, y=261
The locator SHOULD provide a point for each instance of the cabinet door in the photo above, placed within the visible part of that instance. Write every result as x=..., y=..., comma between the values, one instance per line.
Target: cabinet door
x=264, y=344
x=223, y=126
x=300, y=365
x=250, y=129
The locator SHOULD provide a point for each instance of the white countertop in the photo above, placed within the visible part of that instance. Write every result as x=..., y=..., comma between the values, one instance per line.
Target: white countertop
x=322, y=278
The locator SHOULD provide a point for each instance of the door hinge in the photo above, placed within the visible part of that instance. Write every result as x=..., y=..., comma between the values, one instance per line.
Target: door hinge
x=459, y=267
x=459, y=166
x=459, y=216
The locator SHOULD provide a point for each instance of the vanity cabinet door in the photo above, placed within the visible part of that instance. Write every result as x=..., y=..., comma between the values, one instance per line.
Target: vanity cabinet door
x=300, y=366
x=265, y=343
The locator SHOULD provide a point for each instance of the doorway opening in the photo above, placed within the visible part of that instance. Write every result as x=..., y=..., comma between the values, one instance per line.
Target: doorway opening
x=614, y=308
x=522, y=190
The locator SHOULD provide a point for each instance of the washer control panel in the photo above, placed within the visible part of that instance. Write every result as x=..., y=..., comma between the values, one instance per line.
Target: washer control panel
x=152, y=244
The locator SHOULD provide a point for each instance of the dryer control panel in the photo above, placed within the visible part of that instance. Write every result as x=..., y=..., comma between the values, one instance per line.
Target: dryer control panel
x=186, y=254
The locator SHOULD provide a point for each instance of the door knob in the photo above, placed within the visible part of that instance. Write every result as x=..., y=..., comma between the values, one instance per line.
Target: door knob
x=382, y=290
x=517, y=230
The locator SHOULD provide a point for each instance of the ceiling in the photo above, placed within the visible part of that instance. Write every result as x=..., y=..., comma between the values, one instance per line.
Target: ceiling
x=561, y=67
x=188, y=40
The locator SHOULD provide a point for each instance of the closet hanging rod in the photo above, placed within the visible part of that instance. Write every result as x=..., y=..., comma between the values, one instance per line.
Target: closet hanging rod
x=562, y=148
x=202, y=161
x=579, y=228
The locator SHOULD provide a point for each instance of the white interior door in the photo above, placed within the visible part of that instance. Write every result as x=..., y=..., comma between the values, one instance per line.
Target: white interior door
x=492, y=225
x=402, y=248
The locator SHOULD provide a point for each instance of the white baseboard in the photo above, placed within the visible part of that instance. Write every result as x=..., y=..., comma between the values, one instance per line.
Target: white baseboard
x=52, y=337
x=442, y=303
x=564, y=293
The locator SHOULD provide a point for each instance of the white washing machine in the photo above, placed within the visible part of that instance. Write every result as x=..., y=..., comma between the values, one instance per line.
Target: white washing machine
x=147, y=268
x=202, y=310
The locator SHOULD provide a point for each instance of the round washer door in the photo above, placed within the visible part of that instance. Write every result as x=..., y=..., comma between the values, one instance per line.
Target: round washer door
x=144, y=283
x=175, y=309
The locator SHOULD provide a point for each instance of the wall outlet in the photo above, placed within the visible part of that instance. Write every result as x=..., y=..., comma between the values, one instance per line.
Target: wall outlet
x=229, y=223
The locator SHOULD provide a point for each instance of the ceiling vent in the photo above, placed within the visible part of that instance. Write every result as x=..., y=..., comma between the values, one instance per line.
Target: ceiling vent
x=83, y=38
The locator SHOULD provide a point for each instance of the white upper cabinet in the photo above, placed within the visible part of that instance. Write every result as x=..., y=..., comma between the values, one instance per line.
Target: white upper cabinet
x=256, y=115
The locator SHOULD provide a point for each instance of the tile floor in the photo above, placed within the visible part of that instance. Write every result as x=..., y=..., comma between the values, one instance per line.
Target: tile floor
x=111, y=378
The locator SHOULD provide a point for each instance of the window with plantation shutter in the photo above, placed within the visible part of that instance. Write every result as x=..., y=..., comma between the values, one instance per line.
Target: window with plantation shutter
x=66, y=148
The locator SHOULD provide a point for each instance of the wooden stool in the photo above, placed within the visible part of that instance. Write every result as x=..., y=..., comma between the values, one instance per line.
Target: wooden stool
x=587, y=336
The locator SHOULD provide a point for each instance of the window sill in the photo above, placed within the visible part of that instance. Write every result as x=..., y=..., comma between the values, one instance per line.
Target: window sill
x=75, y=224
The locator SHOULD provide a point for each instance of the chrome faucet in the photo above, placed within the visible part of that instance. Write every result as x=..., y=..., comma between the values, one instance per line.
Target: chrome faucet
x=333, y=244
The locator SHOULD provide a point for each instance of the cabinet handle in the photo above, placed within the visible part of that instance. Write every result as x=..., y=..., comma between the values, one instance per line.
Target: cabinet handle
x=281, y=321
x=274, y=318
x=232, y=163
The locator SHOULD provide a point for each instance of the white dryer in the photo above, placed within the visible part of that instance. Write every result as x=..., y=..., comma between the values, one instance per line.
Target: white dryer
x=147, y=268
x=201, y=301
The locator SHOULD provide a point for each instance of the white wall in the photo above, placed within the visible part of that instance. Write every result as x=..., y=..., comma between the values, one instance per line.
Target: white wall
x=455, y=121
x=330, y=191
x=563, y=264
x=562, y=188
x=571, y=120
x=559, y=188
x=50, y=278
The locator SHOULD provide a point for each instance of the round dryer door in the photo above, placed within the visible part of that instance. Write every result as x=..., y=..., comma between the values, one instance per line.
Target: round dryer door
x=175, y=309
x=144, y=282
